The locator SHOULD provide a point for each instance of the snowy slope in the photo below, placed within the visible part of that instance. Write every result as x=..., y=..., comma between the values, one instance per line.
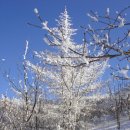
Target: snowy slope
x=111, y=125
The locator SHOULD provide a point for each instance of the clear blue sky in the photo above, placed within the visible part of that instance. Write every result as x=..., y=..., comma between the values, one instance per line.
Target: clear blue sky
x=14, y=14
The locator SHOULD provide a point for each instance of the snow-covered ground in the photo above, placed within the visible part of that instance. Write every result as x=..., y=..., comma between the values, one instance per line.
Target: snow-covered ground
x=111, y=125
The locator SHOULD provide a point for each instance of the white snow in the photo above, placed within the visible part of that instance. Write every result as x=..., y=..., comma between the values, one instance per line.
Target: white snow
x=122, y=21
x=111, y=125
x=36, y=11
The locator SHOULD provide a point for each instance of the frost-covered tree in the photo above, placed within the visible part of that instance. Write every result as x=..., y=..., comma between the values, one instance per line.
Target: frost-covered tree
x=101, y=36
x=71, y=80
x=111, y=35
x=25, y=110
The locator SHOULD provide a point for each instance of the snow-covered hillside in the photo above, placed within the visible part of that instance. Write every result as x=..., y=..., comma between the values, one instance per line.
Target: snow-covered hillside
x=111, y=125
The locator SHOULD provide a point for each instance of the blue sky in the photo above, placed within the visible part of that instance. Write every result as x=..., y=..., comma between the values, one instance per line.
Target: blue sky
x=14, y=31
